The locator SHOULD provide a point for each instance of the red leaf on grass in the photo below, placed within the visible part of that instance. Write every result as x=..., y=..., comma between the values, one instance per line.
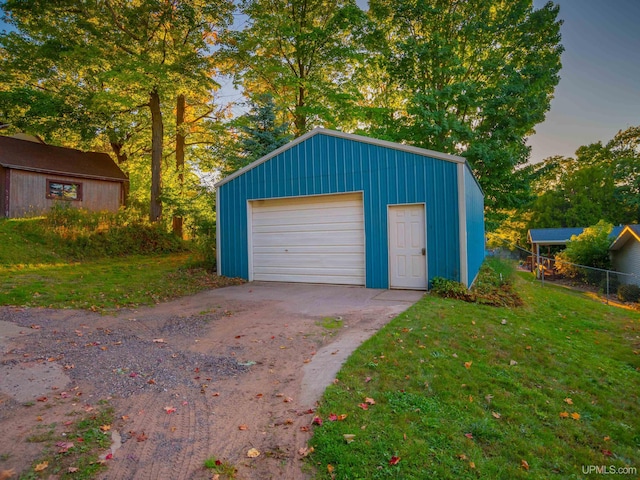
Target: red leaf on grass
x=364, y=406
x=469, y=435
x=394, y=460
x=333, y=417
x=317, y=421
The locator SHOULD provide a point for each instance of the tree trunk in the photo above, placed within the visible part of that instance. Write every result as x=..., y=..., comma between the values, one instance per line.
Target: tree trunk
x=299, y=118
x=117, y=150
x=157, y=133
x=180, y=140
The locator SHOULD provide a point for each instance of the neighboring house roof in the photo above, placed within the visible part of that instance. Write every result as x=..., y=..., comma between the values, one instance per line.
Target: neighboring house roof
x=347, y=136
x=553, y=236
x=561, y=236
x=627, y=233
x=35, y=157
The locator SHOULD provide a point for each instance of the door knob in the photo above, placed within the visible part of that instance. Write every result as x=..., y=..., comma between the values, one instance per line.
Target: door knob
x=424, y=252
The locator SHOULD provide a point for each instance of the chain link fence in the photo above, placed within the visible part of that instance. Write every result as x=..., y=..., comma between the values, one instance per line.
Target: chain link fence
x=615, y=286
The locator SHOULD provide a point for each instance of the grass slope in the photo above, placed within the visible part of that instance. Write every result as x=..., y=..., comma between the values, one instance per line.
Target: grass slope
x=464, y=390
x=34, y=271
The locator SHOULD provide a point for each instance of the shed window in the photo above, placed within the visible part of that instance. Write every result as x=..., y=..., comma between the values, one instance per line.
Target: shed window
x=58, y=190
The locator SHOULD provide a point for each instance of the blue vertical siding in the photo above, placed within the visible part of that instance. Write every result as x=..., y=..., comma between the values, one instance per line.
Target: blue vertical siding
x=325, y=164
x=474, y=201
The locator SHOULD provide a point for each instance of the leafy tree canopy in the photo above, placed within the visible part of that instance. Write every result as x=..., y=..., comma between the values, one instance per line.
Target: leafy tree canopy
x=471, y=78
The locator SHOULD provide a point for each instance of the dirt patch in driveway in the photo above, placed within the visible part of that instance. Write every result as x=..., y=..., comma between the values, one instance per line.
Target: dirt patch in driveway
x=238, y=368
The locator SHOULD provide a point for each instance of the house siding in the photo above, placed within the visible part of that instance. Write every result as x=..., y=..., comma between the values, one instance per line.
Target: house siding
x=325, y=164
x=28, y=193
x=474, y=203
x=4, y=192
x=627, y=260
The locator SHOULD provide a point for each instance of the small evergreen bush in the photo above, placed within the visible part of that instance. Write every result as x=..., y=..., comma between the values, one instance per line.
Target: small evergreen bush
x=450, y=289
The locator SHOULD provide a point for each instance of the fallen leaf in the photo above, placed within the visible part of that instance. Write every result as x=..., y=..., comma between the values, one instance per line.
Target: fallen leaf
x=394, y=460
x=332, y=417
x=495, y=415
x=469, y=435
x=141, y=437
x=462, y=456
x=470, y=398
x=304, y=451
x=317, y=421
x=42, y=399
x=607, y=438
x=105, y=428
x=243, y=427
x=367, y=380
x=472, y=465
x=568, y=401
x=342, y=417
x=564, y=414
x=304, y=428
x=64, y=446
x=41, y=466
x=108, y=456
x=364, y=406
x=512, y=362
x=607, y=453
x=349, y=437
x=575, y=416
x=467, y=365
x=215, y=394
x=159, y=340
x=253, y=453
x=169, y=409
x=330, y=468
x=370, y=401
x=72, y=469
x=524, y=464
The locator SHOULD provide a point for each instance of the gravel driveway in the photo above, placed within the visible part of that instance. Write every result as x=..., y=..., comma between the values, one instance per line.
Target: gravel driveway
x=254, y=355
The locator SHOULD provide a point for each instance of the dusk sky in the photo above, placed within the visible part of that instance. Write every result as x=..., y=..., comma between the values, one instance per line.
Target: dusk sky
x=599, y=90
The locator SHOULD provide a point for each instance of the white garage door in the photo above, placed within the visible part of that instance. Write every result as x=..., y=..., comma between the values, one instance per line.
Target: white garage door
x=316, y=239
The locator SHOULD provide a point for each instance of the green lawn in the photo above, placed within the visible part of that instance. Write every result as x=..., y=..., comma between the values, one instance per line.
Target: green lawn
x=470, y=391
x=34, y=272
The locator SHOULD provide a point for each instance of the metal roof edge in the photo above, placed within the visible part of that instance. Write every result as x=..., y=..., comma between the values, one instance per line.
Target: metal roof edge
x=64, y=173
x=348, y=136
x=618, y=242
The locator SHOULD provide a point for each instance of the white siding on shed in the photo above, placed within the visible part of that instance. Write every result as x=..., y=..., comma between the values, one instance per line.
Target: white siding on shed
x=314, y=239
x=627, y=260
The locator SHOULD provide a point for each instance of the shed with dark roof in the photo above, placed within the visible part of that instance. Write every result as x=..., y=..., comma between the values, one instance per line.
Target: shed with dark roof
x=35, y=176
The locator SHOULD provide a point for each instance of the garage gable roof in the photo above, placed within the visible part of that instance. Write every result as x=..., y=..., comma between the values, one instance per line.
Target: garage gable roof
x=37, y=157
x=347, y=136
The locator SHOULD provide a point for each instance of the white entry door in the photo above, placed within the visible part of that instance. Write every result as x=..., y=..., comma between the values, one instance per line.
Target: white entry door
x=407, y=247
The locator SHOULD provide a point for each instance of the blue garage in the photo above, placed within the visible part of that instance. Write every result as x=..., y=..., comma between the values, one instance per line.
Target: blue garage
x=332, y=207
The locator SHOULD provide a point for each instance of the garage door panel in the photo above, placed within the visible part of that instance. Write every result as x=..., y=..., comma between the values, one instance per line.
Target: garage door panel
x=332, y=238
x=289, y=218
x=311, y=261
x=356, y=249
x=309, y=239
